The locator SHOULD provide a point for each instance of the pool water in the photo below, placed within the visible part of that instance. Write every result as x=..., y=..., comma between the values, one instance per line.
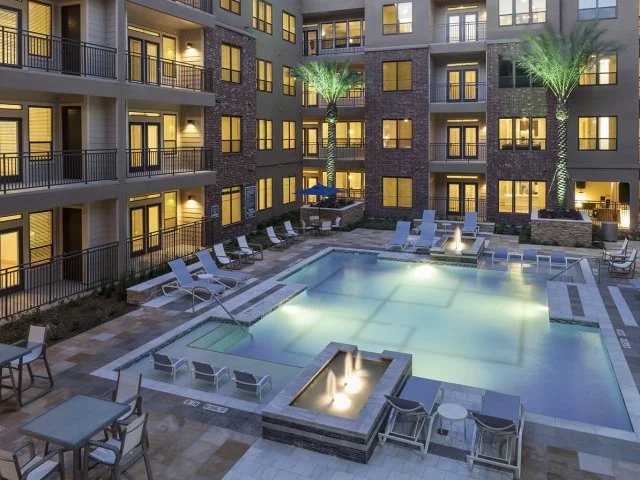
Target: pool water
x=483, y=328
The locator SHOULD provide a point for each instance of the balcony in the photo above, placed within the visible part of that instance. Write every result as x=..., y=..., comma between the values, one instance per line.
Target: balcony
x=333, y=46
x=153, y=162
x=460, y=33
x=203, y=5
x=55, y=54
x=459, y=93
x=20, y=171
x=457, y=152
x=450, y=208
x=168, y=73
x=344, y=151
x=353, y=98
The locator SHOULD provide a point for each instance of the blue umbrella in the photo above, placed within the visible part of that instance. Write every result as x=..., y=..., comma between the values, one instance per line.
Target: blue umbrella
x=320, y=190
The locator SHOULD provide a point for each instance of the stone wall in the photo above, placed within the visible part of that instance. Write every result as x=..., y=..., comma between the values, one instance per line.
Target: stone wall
x=349, y=215
x=568, y=233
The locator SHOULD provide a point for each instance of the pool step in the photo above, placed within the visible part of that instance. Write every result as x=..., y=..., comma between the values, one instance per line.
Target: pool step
x=221, y=339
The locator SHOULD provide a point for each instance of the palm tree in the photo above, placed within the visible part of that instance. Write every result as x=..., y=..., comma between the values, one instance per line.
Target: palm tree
x=557, y=62
x=331, y=81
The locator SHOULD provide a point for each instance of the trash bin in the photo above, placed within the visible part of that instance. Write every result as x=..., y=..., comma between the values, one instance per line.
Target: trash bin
x=609, y=231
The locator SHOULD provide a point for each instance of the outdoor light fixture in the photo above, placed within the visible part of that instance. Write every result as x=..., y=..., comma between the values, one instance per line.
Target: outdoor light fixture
x=189, y=45
x=189, y=122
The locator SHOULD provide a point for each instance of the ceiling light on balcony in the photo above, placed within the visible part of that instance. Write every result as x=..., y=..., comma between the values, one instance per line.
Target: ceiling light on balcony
x=462, y=120
x=462, y=7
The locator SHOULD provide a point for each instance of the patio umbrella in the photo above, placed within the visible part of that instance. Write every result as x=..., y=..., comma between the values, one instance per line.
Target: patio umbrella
x=319, y=190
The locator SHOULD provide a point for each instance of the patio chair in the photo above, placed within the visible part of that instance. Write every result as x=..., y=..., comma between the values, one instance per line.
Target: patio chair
x=225, y=260
x=558, y=259
x=499, y=423
x=500, y=254
x=250, y=249
x=399, y=239
x=610, y=255
x=37, y=336
x=337, y=224
x=208, y=373
x=530, y=256
x=307, y=228
x=128, y=392
x=314, y=218
x=167, y=364
x=35, y=467
x=290, y=232
x=326, y=227
x=119, y=454
x=428, y=216
x=184, y=282
x=275, y=240
x=218, y=275
x=408, y=417
x=470, y=226
x=249, y=382
x=624, y=267
x=426, y=239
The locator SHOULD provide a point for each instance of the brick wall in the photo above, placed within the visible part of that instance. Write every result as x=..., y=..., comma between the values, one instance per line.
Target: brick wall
x=231, y=99
x=515, y=164
x=381, y=105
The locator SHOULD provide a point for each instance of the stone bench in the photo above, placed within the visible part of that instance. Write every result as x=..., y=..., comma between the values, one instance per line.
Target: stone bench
x=145, y=291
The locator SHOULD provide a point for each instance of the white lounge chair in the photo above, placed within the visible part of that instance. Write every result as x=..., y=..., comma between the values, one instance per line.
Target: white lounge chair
x=275, y=240
x=337, y=224
x=250, y=249
x=184, y=282
x=497, y=438
x=428, y=216
x=326, y=228
x=399, y=239
x=558, y=259
x=615, y=254
x=626, y=266
x=218, y=275
x=225, y=260
x=249, y=382
x=426, y=239
x=500, y=254
x=291, y=233
x=470, y=226
x=529, y=256
x=167, y=364
x=208, y=373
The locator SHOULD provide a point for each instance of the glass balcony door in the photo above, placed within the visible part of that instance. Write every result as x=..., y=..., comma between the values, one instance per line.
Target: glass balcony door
x=145, y=229
x=144, y=61
x=10, y=166
x=9, y=36
x=144, y=146
x=10, y=253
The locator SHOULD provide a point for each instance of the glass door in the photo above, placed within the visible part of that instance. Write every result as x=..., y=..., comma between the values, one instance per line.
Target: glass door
x=454, y=192
x=470, y=27
x=143, y=61
x=135, y=60
x=144, y=146
x=454, y=139
x=453, y=29
x=355, y=34
x=471, y=142
x=470, y=85
x=144, y=224
x=9, y=36
x=454, y=78
x=10, y=166
x=152, y=64
x=310, y=142
x=311, y=42
x=10, y=248
x=470, y=197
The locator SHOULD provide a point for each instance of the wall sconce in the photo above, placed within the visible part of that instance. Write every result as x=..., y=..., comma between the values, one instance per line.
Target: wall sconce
x=189, y=197
x=189, y=122
x=189, y=45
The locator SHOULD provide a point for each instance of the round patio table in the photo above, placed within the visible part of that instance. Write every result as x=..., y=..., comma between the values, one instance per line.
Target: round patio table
x=453, y=413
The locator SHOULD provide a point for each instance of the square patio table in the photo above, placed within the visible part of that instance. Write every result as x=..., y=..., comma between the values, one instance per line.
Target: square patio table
x=73, y=423
x=8, y=354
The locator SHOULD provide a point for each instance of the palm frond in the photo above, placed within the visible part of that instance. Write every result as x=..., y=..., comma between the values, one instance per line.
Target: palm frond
x=329, y=79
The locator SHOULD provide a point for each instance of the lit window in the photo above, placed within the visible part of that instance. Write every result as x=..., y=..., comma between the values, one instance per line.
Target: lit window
x=41, y=236
x=397, y=18
x=288, y=81
x=521, y=196
x=522, y=12
x=170, y=209
x=39, y=29
x=232, y=6
x=396, y=76
x=597, y=9
x=169, y=124
x=288, y=135
x=397, y=134
x=348, y=134
x=231, y=136
x=265, y=135
x=603, y=70
x=40, y=132
x=288, y=189
x=522, y=133
x=264, y=75
x=597, y=133
x=230, y=63
x=265, y=193
x=231, y=205
x=397, y=192
x=262, y=16
x=288, y=27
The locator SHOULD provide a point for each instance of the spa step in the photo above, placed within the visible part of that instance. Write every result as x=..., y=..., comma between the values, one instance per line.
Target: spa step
x=222, y=338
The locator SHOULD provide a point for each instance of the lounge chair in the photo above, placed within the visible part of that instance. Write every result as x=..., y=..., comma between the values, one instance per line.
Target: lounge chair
x=624, y=267
x=500, y=421
x=426, y=239
x=337, y=224
x=470, y=226
x=410, y=412
x=275, y=240
x=500, y=254
x=33, y=467
x=167, y=364
x=290, y=232
x=325, y=227
x=611, y=255
x=251, y=383
x=208, y=373
x=225, y=260
x=218, y=275
x=558, y=259
x=37, y=336
x=428, y=216
x=249, y=249
x=186, y=283
x=399, y=239
x=530, y=256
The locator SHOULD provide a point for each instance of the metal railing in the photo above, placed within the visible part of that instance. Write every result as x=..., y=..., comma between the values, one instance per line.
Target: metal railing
x=353, y=98
x=457, y=152
x=154, y=250
x=152, y=70
x=204, y=5
x=20, y=48
x=19, y=171
x=459, y=92
x=33, y=285
x=151, y=162
x=332, y=46
x=605, y=211
x=344, y=150
x=455, y=208
x=460, y=33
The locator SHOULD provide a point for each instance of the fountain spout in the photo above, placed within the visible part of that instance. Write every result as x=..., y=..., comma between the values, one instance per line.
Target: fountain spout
x=331, y=386
x=358, y=363
x=348, y=366
x=457, y=239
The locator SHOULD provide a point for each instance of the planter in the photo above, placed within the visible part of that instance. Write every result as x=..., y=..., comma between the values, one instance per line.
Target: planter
x=350, y=214
x=567, y=233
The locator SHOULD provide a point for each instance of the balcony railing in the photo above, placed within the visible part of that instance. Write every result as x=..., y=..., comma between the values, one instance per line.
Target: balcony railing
x=353, y=98
x=344, y=150
x=332, y=46
x=19, y=171
x=450, y=208
x=606, y=211
x=204, y=5
x=154, y=250
x=458, y=152
x=168, y=73
x=153, y=162
x=54, y=54
x=459, y=92
x=460, y=33
x=32, y=285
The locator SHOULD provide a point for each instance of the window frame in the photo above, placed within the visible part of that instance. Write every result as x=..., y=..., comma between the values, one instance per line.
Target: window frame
x=597, y=72
x=292, y=194
x=265, y=26
x=514, y=14
x=264, y=84
x=597, y=138
x=513, y=196
x=289, y=142
x=513, y=77
x=230, y=191
x=396, y=179
x=290, y=88
x=396, y=25
x=48, y=246
x=230, y=70
x=397, y=139
x=231, y=9
x=531, y=138
x=596, y=12
x=231, y=141
x=268, y=140
x=41, y=41
x=397, y=79
x=266, y=192
x=288, y=35
x=40, y=156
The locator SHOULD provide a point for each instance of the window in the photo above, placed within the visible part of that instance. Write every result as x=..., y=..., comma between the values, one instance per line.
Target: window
x=288, y=81
x=597, y=9
x=231, y=205
x=288, y=190
x=265, y=135
x=264, y=76
x=169, y=124
x=603, y=70
x=597, y=133
x=39, y=29
x=511, y=75
x=397, y=18
x=396, y=76
x=348, y=134
x=522, y=12
x=40, y=132
x=262, y=16
x=397, y=192
x=522, y=133
x=170, y=209
x=397, y=133
x=521, y=196
x=231, y=136
x=230, y=63
x=232, y=6
x=41, y=236
x=288, y=27
x=288, y=135
x=168, y=56
x=264, y=188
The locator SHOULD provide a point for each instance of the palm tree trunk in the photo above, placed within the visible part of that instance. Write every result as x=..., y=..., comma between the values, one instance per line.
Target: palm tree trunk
x=332, y=118
x=562, y=174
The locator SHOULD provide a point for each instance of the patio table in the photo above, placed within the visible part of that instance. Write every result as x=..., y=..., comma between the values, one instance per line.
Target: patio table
x=73, y=423
x=8, y=354
x=241, y=256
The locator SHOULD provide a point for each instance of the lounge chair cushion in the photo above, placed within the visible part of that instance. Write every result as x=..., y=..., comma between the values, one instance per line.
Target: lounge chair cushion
x=501, y=406
x=423, y=390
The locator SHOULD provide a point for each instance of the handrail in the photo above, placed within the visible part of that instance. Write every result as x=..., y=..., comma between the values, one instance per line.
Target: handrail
x=577, y=262
x=231, y=316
